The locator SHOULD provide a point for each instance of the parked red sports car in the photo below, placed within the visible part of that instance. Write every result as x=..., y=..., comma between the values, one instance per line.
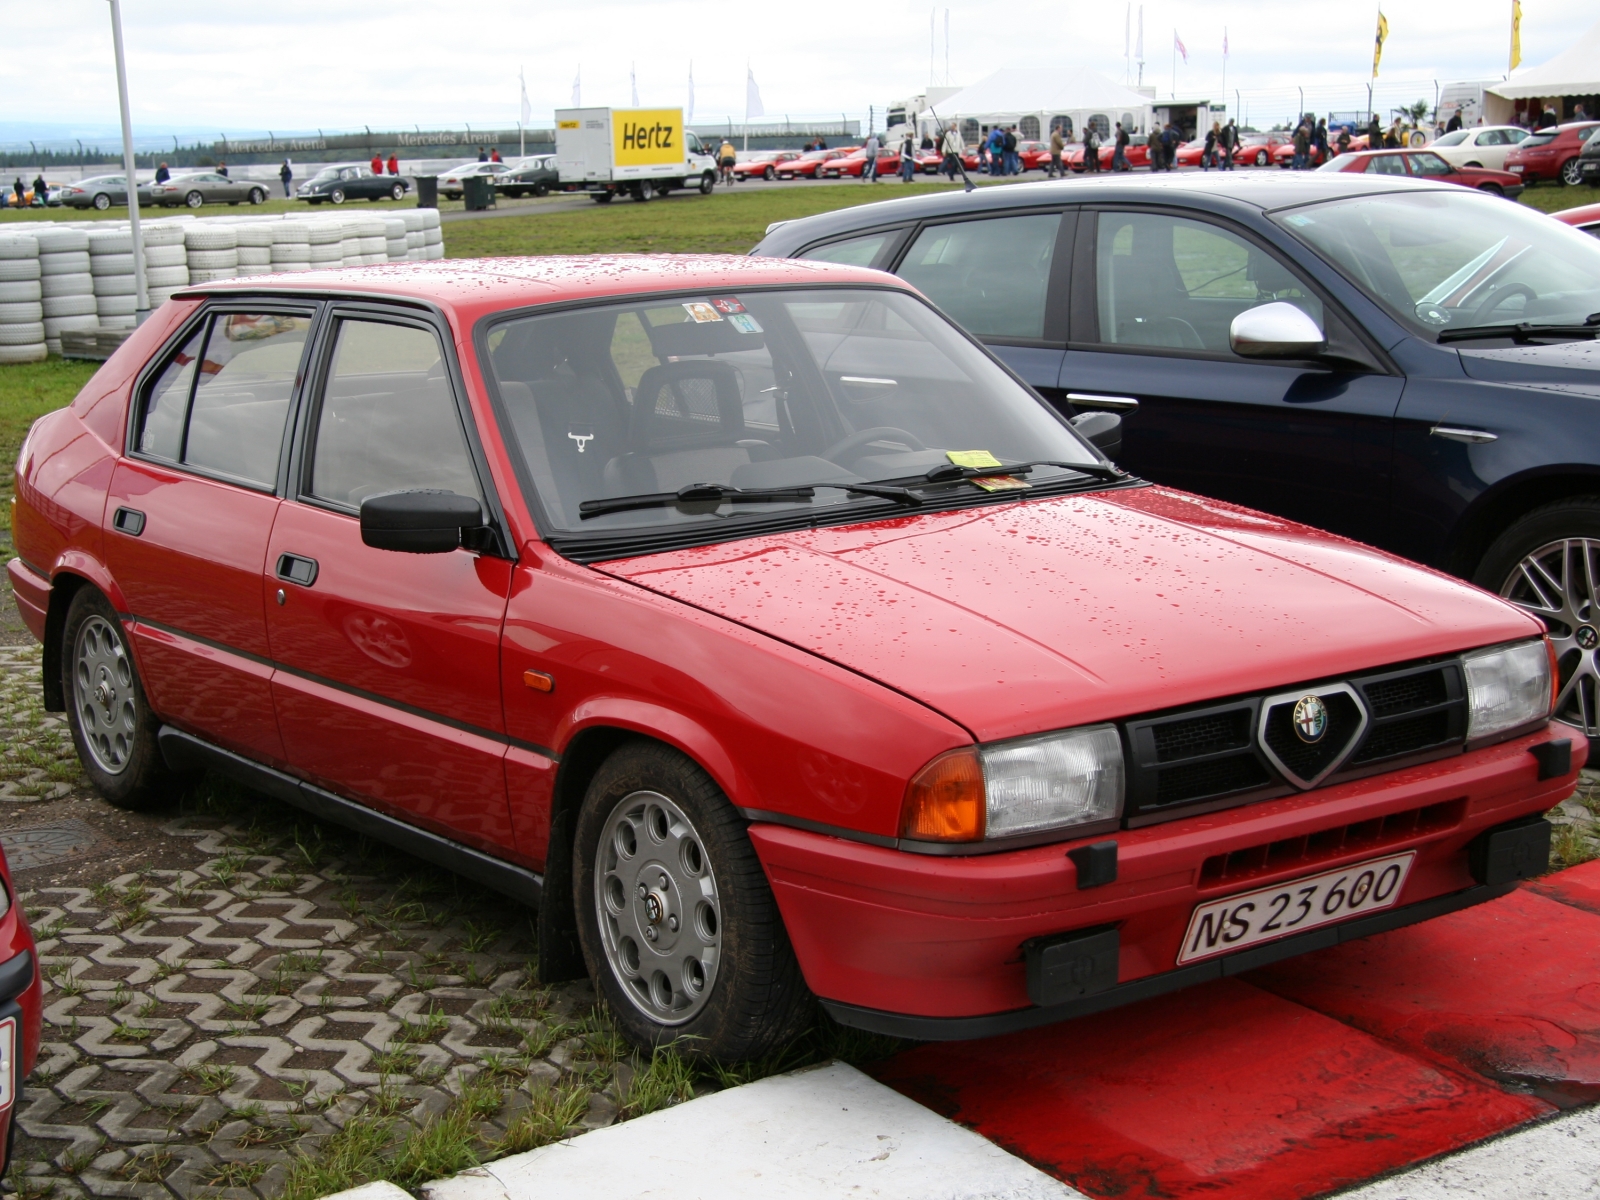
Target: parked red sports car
x=763, y=165
x=1255, y=149
x=751, y=619
x=1425, y=164
x=1138, y=153
x=929, y=161
x=852, y=164
x=1551, y=154
x=806, y=166
x=1586, y=218
x=1284, y=155
x=1035, y=156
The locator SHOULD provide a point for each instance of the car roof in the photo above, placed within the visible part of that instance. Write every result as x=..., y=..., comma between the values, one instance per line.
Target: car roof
x=475, y=287
x=1215, y=191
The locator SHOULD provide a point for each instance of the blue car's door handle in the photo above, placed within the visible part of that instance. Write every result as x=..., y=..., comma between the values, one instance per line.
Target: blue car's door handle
x=1457, y=434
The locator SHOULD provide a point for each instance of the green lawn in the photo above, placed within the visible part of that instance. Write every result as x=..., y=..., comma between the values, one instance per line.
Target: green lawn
x=1553, y=197
x=270, y=208
x=27, y=392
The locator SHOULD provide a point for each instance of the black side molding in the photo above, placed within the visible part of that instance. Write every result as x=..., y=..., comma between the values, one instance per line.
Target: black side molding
x=16, y=973
x=950, y=1029
x=185, y=752
x=1555, y=758
x=1511, y=852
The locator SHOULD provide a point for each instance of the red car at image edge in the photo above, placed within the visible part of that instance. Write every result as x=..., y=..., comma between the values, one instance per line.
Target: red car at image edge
x=1585, y=217
x=1548, y=155
x=758, y=625
x=21, y=1008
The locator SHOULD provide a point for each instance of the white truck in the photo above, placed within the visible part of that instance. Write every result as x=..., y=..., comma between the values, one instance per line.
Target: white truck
x=640, y=152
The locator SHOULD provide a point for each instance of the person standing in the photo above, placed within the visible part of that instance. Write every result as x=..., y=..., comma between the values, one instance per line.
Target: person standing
x=162, y=174
x=494, y=155
x=869, y=155
x=20, y=193
x=222, y=169
x=286, y=173
x=377, y=163
x=1119, y=150
x=951, y=148
x=483, y=155
x=1154, y=147
x=726, y=157
x=1091, y=149
x=908, y=156
x=1547, y=119
x=1319, y=141
x=1302, y=147
x=1008, y=149
x=1229, y=140
x=1056, y=147
x=41, y=191
x=394, y=165
x=1454, y=123
x=1374, y=134
x=1210, y=149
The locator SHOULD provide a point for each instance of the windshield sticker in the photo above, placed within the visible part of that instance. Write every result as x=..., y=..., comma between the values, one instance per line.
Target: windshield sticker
x=744, y=322
x=726, y=304
x=702, y=312
x=972, y=458
x=1001, y=483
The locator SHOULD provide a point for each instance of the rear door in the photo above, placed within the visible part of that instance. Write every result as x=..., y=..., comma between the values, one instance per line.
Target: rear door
x=387, y=688
x=189, y=512
x=1153, y=295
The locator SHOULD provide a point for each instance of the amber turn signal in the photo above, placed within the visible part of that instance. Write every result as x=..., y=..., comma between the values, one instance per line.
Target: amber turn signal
x=945, y=800
x=539, y=681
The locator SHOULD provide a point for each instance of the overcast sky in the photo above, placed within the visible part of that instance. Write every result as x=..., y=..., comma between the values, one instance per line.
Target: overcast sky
x=341, y=64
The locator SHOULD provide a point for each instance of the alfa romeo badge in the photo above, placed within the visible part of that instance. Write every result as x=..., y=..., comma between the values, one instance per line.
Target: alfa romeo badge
x=1310, y=718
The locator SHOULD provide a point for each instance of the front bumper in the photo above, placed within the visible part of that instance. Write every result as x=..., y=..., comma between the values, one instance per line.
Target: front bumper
x=913, y=943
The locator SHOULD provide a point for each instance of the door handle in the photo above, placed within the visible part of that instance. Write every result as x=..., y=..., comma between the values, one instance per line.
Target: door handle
x=1457, y=434
x=1115, y=403
x=129, y=521
x=297, y=569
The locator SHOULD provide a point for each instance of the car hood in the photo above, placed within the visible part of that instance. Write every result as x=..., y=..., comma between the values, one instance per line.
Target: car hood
x=1566, y=366
x=1051, y=613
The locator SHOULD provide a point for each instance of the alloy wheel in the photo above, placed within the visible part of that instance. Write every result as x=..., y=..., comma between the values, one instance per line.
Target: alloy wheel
x=103, y=693
x=1571, y=172
x=656, y=899
x=194, y=199
x=1560, y=583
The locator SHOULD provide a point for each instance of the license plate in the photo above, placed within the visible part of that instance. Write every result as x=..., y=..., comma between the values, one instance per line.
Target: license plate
x=1517, y=168
x=1222, y=926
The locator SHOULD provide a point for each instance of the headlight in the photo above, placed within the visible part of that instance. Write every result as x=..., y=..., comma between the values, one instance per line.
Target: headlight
x=1507, y=687
x=1053, y=781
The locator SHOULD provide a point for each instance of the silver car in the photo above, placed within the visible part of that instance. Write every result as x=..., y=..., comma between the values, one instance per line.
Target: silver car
x=205, y=187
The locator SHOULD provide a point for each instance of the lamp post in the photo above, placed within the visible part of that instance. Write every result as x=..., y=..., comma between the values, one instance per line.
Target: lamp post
x=142, y=304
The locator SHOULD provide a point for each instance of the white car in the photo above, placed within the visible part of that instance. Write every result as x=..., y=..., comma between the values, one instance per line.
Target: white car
x=450, y=184
x=1480, y=146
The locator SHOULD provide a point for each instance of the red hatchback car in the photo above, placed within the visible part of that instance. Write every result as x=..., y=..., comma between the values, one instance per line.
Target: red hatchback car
x=1551, y=154
x=762, y=628
x=1425, y=164
x=21, y=1009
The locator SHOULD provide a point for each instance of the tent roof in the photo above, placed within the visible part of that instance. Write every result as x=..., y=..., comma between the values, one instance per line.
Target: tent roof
x=1043, y=89
x=1573, y=72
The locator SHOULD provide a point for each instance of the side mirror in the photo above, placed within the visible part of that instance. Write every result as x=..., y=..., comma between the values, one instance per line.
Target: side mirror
x=1102, y=430
x=422, y=521
x=1276, y=330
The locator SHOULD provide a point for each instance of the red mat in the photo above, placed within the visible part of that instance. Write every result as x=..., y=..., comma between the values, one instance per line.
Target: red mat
x=1307, y=1076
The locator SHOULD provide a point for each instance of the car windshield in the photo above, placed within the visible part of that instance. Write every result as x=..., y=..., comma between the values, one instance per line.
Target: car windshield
x=762, y=390
x=1449, y=260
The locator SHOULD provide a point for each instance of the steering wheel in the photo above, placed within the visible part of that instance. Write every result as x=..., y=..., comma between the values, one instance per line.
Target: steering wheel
x=856, y=440
x=1498, y=297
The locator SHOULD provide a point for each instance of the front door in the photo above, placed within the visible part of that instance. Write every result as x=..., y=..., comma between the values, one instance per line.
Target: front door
x=188, y=515
x=1152, y=306
x=388, y=686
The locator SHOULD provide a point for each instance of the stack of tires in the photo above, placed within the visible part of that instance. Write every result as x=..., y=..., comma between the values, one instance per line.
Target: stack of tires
x=291, y=246
x=166, y=265
x=350, y=242
x=433, y=236
x=374, y=239
x=110, y=257
x=254, y=248
x=213, y=251
x=327, y=244
x=21, y=316
x=416, y=237
x=394, y=239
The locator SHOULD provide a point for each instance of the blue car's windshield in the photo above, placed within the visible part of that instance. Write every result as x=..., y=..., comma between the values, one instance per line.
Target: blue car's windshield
x=1453, y=260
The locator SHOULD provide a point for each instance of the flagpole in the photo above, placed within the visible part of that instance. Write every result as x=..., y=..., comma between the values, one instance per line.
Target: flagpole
x=1224, y=66
x=1174, y=64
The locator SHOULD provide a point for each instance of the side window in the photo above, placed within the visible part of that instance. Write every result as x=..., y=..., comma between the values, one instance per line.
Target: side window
x=1171, y=282
x=388, y=419
x=220, y=404
x=1387, y=164
x=990, y=276
x=856, y=252
x=1429, y=164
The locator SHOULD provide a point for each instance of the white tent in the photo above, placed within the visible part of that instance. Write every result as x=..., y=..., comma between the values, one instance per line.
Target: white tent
x=1037, y=99
x=1573, y=72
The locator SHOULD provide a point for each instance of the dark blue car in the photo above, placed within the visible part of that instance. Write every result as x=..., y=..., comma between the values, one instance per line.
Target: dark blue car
x=1412, y=365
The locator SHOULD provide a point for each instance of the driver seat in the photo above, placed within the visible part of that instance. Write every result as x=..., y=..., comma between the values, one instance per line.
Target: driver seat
x=688, y=417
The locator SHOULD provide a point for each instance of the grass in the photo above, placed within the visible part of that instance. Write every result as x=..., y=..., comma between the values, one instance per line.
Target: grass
x=270, y=208
x=1555, y=197
x=27, y=392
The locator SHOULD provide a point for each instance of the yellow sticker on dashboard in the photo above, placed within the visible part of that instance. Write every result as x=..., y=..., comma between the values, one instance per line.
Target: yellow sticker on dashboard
x=972, y=458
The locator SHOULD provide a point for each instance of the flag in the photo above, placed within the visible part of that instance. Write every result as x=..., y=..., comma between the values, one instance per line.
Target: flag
x=577, y=89
x=1127, y=32
x=1516, y=34
x=1377, y=46
x=633, y=82
x=752, y=97
x=1224, y=41
x=1177, y=44
x=527, y=109
x=688, y=116
x=1138, y=51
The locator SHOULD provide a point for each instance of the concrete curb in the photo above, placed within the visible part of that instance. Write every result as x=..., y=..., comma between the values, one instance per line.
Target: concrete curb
x=820, y=1132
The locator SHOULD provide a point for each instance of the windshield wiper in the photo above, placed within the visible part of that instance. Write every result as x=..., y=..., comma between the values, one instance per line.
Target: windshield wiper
x=720, y=493
x=949, y=471
x=1523, y=332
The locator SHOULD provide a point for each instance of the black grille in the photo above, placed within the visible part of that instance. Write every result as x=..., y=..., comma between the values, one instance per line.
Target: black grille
x=1407, y=693
x=1202, y=780
x=1309, y=759
x=1413, y=712
x=1191, y=738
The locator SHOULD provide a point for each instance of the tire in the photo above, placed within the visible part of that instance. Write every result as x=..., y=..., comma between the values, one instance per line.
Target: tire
x=1261, y=158
x=336, y=196
x=769, y=174
x=113, y=729
x=20, y=291
x=714, y=920
x=708, y=184
x=1552, y=535
x=101, y=202
x=541, y=190
x=23, y=333
x=194, y=199
x=1571, y=172
x=397, y=192
x=1493, y=189
x=644, y=191
x=601, y=197
x=32, y=352
x=1479, y=165
x=257, y=196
